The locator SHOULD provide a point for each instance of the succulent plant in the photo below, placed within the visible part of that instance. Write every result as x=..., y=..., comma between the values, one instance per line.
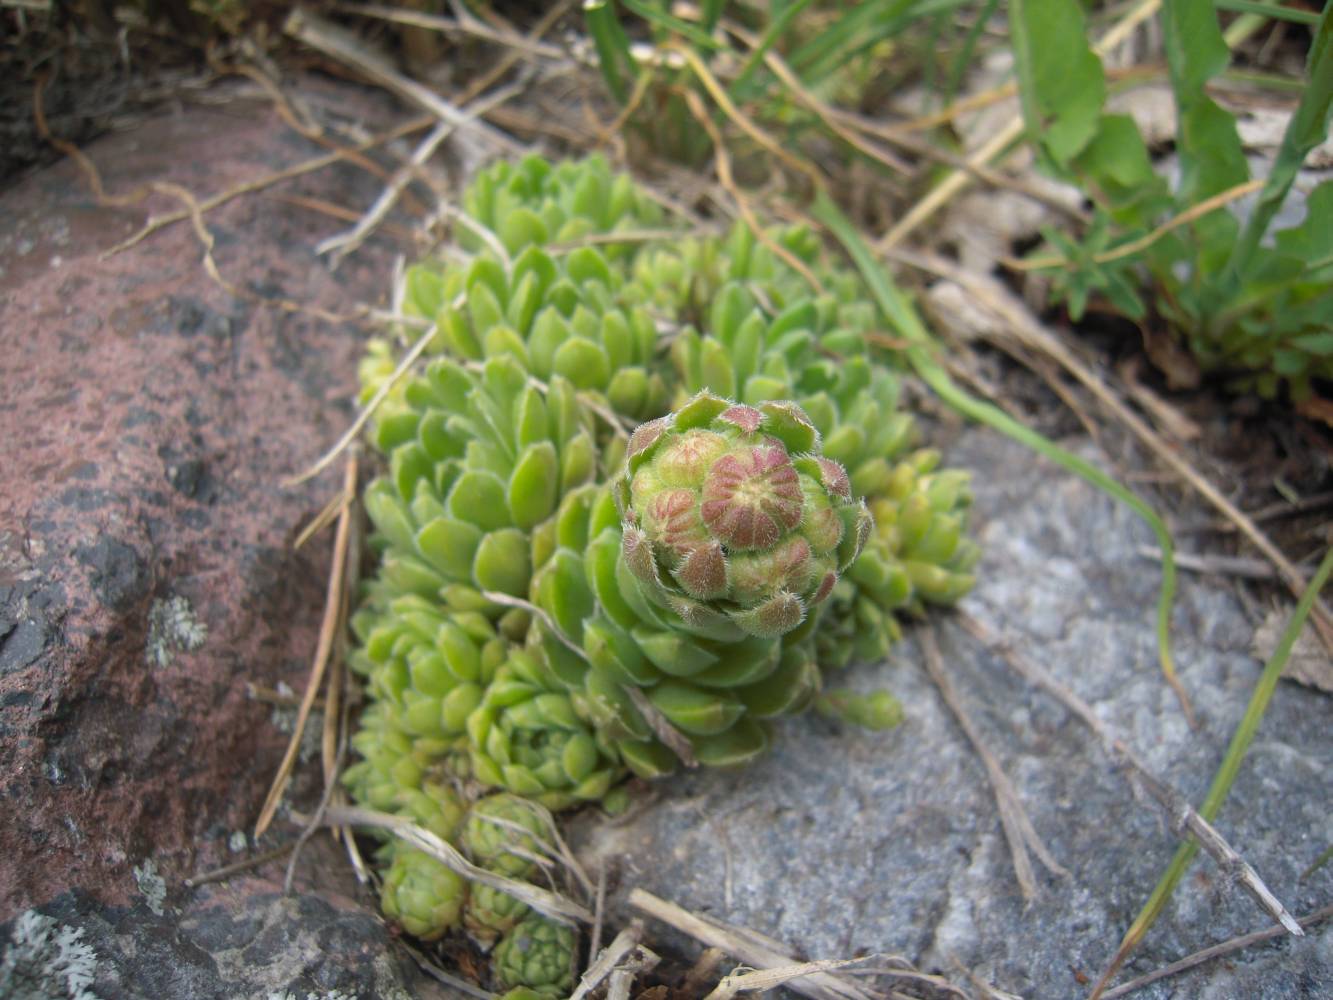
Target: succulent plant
x=527, y=737
x=422, y=895
x=537, y=954
x=533, y=202
x=504, y=833
x=491, y=913
x=733, y=517
x=561, y=599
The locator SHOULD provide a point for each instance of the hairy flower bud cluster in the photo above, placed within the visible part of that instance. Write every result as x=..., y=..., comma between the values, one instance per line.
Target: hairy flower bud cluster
x=732, y=514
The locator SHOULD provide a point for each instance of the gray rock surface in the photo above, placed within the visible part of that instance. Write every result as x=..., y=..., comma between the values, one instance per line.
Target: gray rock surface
x=843, y=842
x=244, y=940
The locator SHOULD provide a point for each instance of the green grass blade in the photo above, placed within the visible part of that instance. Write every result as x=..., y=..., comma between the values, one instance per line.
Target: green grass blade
x=963, y=60
x=857, y=29
x=712, y=13
x=1272, y=10
x=613, y=54
x=1226, y=774
x=669, y=22
x=1306, y=130
x=900, y=313
x=740, y=88
x=1319, y=862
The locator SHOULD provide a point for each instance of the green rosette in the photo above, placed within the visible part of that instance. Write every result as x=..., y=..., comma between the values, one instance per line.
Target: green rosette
x=527, y=737
x=423, y=896
x=491, y=913
x=503, y=833
x=537, y=954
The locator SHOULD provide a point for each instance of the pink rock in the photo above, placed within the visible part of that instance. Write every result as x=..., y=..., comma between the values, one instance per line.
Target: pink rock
x=147, y=418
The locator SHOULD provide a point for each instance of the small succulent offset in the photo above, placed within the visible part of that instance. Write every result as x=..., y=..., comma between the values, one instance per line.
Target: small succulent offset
x=642, y=497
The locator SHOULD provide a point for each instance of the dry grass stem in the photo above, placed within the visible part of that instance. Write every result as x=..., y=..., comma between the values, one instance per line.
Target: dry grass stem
x=402, y=234
x=719, y=95
x=929, y=151
x=1250, y=569
x=619, y=986
x=762, y=980
x=327, y=515
x=227, y=871
x=598, y=912
x=826, y=112
x=722, y=160
x=342, y=244
x=1016, y=322
x=273, y=696
x=439, y=975
x=514, y=55
x=313, y=824
x=464, y=25
x=312, y=165
x=1177, y=811
x=703, y=970
x=362, y=418
x=337, y=43
x=674, y=740
x=642, y=82
x=334, y=605
x=1148, y=239
x=714, y=934
x=1018, y=828
x=550, y=904
x=1216, y=951
x=625, y=946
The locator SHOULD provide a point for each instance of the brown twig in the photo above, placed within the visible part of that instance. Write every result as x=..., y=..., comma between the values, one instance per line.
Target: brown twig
x=328, y=631
x=1178, y=812
x=227, y=871
x=155, y=223
x=1018, y=829
x=722, y=159
x=1216, y=951
x=1250, y=569
x=337, y=43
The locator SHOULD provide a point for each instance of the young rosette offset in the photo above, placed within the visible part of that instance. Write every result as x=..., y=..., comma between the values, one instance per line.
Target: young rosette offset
x=526, y=737
x=732, y=515
x=422, y=895
x=538, y=954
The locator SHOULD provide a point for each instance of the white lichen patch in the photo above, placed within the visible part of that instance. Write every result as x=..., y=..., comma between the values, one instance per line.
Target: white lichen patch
x=152, y=885
x=172, y=627
x=284, y=720
x=45, y=960
x=237, y=842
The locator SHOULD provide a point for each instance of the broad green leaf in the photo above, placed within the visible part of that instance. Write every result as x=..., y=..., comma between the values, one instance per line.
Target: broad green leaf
x=1060, y=79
